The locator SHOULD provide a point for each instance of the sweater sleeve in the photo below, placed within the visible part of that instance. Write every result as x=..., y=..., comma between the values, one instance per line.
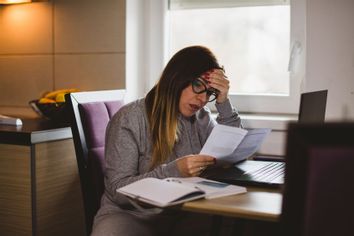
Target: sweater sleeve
x=227, y=114
x=127, y=153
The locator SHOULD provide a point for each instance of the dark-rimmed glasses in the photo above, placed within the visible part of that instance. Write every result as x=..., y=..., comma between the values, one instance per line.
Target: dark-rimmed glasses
x=199, y=86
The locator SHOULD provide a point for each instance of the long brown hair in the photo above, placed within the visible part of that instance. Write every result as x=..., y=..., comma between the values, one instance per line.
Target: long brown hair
x=162, y=101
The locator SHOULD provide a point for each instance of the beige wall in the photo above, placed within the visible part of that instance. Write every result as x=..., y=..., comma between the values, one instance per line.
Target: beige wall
x=330, y=54
x=59, y=44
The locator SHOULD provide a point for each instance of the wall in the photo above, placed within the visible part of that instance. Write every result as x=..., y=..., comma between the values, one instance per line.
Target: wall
x=135, y=46
x=59, y=44
x=145, y=29
x=330, y=54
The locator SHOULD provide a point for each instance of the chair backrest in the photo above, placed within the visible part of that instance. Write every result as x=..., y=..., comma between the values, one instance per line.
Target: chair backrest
x=318, y=191
x=90, y=113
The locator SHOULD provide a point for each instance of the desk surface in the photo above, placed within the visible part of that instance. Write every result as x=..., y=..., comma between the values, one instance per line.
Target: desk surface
x=256, y=204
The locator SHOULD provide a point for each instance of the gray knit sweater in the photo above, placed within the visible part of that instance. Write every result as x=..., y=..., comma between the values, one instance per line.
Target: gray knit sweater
x=128, y=147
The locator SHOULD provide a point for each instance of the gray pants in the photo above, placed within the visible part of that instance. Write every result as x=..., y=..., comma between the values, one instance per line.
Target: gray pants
x=168, y=223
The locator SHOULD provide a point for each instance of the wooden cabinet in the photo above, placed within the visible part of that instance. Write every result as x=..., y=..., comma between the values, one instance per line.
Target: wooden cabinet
x=40, y=190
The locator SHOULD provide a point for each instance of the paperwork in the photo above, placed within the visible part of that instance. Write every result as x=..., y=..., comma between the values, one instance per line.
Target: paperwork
x=231, y=144
x=173, y=191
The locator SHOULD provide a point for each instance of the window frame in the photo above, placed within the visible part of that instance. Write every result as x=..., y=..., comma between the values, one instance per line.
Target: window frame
x=155, y=38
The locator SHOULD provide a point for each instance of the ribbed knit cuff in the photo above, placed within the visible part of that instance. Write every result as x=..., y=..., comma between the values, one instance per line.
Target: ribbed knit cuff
x=225, y=109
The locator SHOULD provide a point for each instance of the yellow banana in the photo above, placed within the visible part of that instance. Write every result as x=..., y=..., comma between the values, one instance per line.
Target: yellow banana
x=52, y=95
x=46, y=100
x=60, y=97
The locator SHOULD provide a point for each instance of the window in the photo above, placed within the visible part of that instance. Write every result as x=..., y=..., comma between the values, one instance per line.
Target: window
x=152, y=31
x=250, y=38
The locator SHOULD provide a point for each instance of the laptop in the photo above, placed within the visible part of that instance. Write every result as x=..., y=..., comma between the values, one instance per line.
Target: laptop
x=258, y=172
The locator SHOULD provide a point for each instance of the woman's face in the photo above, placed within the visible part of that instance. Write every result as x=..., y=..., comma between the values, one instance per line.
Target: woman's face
x=191, y=102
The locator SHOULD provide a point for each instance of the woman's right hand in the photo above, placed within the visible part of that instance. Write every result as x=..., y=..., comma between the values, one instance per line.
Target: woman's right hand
x=194, y=165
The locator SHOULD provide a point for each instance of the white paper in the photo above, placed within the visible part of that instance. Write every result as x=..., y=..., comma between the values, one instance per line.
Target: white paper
x=223, y=140
x=230, y=145
x=249, y=145
x=160, y=192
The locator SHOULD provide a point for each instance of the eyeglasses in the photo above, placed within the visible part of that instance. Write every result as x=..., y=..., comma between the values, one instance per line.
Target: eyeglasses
x=199, y=86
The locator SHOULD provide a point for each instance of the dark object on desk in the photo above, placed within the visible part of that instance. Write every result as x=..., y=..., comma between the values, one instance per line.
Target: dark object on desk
x=318, y=191
x=313, y=106
x=312, y=110
x=264, y=171
x=250, y=173
x=268, y=158
x=52, y=111
x=90, y=113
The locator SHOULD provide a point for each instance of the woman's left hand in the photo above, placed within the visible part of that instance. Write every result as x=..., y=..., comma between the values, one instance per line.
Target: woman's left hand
x=194, y=165
x=217, y=79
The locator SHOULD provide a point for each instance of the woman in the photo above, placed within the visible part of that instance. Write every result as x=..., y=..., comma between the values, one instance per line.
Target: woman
x=160, y=136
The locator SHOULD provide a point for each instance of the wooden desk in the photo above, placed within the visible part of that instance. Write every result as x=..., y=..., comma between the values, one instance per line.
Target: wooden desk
x=256, y=204
x=39, y=184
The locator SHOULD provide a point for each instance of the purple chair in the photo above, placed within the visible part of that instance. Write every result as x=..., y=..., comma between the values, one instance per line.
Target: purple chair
x=90, y=113
x=318, y=191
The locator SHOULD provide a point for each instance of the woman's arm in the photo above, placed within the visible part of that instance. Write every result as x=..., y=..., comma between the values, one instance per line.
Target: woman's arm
x=127, y=152
x=227, y=114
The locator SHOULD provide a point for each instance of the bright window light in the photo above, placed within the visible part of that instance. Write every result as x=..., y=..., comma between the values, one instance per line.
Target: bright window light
x=251, y=42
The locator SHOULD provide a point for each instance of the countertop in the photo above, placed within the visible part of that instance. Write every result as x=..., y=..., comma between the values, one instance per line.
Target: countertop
x=34, y=131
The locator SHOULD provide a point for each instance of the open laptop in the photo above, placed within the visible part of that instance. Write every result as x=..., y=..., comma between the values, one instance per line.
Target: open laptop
x=271, y=173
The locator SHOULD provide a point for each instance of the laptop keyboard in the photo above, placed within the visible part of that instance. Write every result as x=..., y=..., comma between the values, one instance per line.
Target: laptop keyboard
x=269, y=173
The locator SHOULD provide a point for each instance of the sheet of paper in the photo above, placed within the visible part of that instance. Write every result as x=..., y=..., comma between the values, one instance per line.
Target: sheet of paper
x=248, y=146
x=223, y=140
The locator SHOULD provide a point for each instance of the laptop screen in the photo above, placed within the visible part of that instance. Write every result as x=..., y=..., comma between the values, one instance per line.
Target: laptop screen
x=313, y=106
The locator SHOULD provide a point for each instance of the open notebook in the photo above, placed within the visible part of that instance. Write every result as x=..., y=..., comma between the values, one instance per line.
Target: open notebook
x=173, y=191
x=271, y=173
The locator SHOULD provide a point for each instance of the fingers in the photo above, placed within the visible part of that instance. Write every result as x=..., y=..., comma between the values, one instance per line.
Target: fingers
x=203, y=164
x=198, y=170
x=194, y=165
x=199, y=163
x=217, y=79
x=215, y=75
x=202, y=158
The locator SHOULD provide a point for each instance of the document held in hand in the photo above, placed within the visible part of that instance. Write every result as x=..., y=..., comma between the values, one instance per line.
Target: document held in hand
x=230, y=145
x=173, y=191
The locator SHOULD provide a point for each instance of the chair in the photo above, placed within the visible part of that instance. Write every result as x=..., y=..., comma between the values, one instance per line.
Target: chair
x=318, y=191
x=90, y=113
